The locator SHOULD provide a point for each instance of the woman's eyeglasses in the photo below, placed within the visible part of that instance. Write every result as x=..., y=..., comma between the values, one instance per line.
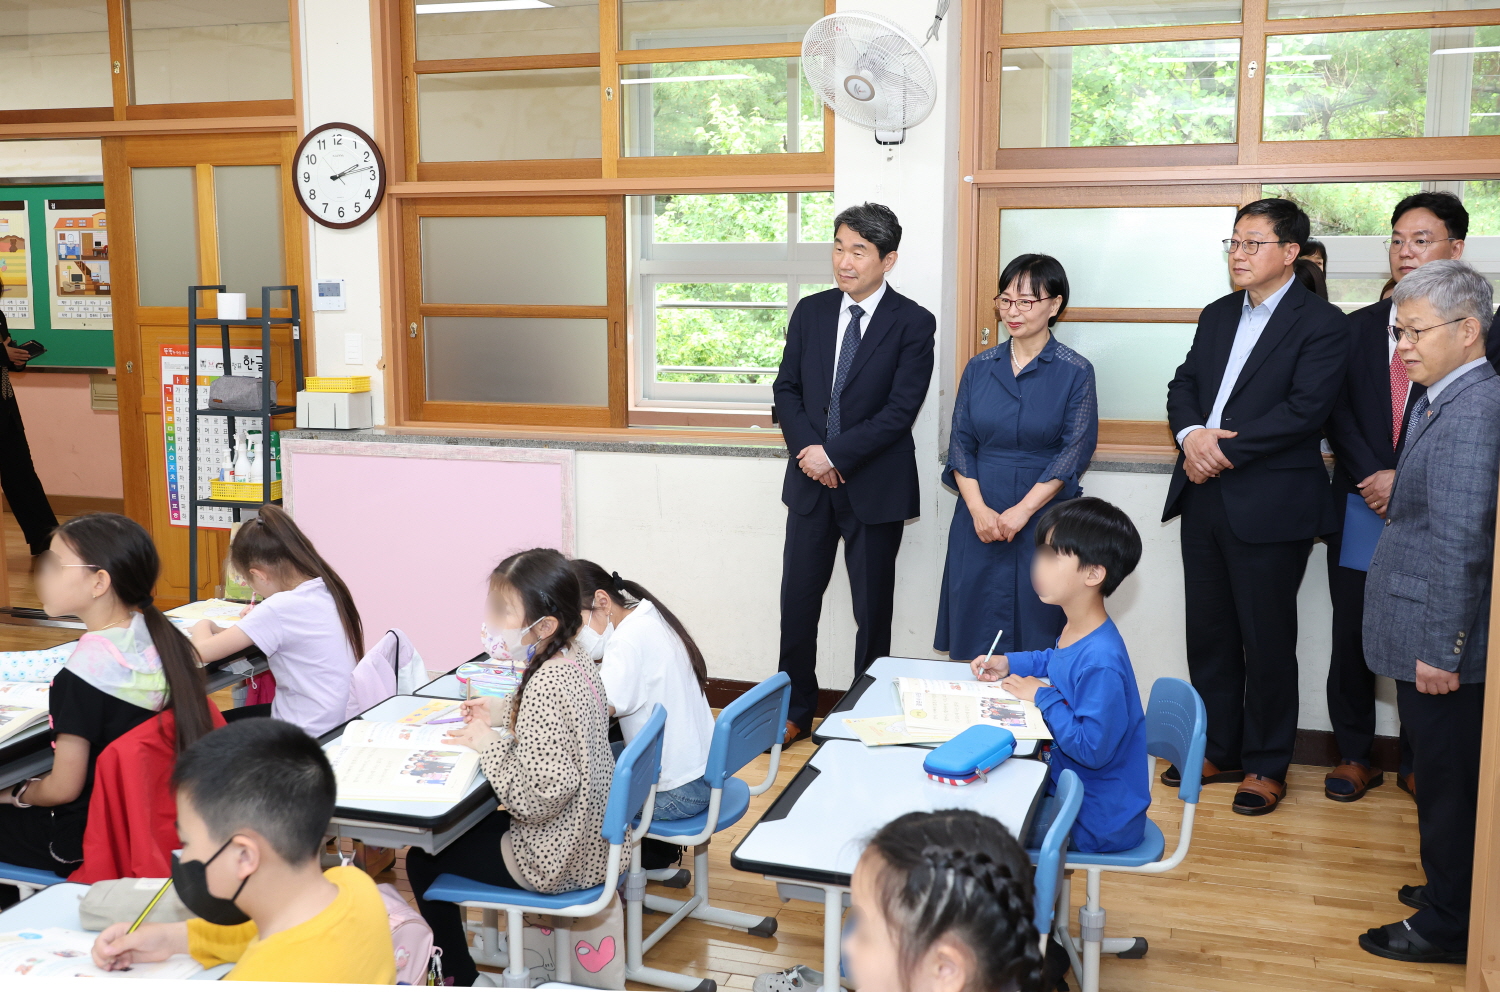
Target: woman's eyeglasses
x=1022, y=306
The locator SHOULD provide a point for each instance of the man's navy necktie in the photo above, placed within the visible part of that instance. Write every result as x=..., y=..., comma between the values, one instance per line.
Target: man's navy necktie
x=1418, y=409
x=841, y=375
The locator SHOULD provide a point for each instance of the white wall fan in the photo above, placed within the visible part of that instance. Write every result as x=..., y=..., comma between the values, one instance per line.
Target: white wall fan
x=870, y=72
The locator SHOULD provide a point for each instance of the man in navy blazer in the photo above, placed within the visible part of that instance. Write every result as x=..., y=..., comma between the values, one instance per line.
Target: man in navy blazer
x=856, y=368
x=1368, y=433
x=1247, y=407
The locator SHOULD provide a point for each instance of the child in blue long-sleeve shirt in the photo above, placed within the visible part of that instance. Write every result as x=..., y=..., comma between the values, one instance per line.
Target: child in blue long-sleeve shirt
x=1085, y=548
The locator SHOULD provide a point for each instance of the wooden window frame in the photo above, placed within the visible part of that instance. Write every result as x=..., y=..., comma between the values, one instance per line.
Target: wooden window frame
x=34, y=123
x=414, y=310
x=1181, y=175
x=400, y=15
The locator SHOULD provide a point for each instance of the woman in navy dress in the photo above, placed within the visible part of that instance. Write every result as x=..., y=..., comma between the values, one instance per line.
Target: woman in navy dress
x=1024, y=428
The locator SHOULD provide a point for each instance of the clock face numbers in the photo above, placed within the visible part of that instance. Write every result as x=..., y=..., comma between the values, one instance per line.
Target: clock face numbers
x=339, y=176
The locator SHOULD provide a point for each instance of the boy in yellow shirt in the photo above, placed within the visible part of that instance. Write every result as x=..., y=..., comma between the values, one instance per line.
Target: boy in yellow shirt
x=253, y=801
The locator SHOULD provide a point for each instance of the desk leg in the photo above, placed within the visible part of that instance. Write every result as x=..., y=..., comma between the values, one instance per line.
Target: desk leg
x=833, y=929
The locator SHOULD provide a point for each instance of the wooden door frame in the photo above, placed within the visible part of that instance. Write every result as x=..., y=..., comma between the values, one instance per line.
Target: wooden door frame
x=201, y=152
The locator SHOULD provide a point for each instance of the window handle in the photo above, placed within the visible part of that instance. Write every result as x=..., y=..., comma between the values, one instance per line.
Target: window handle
x=411, y=329
x=984, y=337
x=1252, y=67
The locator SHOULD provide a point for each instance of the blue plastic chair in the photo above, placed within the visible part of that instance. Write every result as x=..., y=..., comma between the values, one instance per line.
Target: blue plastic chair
x=1061, y=811
x=632, y=794
x=1177, y=730
x=745, y=729
x=29, y=880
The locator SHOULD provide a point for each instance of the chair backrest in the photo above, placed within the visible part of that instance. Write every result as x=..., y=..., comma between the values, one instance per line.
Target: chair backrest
x=374, y=678
x=747, y=728
x=1177, y=729
x=636, y=770
x=1049, y=861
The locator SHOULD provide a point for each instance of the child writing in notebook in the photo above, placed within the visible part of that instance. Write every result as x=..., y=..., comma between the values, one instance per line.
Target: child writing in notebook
x=307, y=627
x=549, y=761
x=648, y=657
x=130, y=665
x=253, y=802
x=942, y=902
x=1085, y=548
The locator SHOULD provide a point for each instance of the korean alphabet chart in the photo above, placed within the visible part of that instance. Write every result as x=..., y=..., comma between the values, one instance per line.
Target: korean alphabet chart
x=179, y=398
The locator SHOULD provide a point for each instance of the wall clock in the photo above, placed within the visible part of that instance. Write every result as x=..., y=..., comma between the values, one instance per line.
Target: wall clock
x=339, y=175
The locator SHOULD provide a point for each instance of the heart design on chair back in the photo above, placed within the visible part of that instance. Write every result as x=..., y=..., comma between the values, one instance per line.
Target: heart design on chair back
x=594, y=959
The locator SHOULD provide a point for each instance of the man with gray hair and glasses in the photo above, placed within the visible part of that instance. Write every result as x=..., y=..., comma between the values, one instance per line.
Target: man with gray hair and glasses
x=1427, y=597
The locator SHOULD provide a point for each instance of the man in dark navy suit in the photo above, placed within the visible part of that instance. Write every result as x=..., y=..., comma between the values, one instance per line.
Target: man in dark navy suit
x=1247, y=408
x=856, y=368
x=1368, y=433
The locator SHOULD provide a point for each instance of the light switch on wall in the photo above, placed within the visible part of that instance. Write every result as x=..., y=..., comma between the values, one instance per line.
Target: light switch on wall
x=354, y=348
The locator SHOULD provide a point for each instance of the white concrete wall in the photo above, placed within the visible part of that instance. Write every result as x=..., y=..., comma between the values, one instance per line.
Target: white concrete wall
x=338, y=85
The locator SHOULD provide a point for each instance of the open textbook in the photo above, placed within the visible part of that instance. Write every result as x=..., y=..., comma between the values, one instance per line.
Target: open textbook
x=220, y=611
x=57, y=953
x=22, y=705
x=941, y=706
x=378, y=760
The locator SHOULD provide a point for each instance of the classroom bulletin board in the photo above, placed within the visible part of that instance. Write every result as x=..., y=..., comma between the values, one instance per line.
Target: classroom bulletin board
x=55, y=272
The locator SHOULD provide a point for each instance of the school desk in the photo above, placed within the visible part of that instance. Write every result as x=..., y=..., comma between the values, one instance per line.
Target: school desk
x=810, y=838
x=873, y=694
x=27, y=755
x=387, y=823
x=57, y=906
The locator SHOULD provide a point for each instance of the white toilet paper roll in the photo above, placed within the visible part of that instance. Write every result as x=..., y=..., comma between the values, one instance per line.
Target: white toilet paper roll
x=231, y=306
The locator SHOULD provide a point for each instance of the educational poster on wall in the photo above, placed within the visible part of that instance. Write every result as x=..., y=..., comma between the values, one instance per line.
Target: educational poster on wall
x=79, y=262
x=15, y=272
x=183, y=390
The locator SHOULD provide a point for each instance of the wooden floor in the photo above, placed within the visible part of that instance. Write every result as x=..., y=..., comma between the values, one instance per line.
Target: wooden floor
x=1274, y=902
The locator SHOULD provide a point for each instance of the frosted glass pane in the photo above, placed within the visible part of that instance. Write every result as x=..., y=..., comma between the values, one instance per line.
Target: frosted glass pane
x=558, y=261
x=53, y=53
x=210, y=50
x=517, y=360
x=248, y=198
x=1132, y=364
x=1066, y=15
x=564, y=27
x=504, y=116
x=166, y=259
x=694, y=23
x=1128, y=256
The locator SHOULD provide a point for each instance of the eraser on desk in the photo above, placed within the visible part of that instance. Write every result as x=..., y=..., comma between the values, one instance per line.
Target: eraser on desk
x=969, y=756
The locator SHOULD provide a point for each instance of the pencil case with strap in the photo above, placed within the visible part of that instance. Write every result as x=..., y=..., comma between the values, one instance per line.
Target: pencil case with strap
x=970, y=756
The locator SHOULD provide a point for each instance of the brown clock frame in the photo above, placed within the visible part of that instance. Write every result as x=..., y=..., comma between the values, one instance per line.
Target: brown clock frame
x=379, y=161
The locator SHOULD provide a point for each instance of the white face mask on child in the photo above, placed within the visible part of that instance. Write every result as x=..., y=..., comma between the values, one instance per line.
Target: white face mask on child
x=593, y=642
x=506, y=644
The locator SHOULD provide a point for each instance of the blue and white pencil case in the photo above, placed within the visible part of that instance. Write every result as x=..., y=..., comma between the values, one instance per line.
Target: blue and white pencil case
x=970, y=756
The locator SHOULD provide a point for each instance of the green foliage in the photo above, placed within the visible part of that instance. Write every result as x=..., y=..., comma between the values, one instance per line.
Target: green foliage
x=1345, y=208
x=751, y=338
x=1127, y=94
x=745, y=116
x=720, y=218
x=817, y=218
x=1372, y=84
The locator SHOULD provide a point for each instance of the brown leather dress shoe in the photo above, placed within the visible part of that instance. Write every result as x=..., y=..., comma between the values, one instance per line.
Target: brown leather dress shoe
x=1172, y=778
x=1350, y=781
x=1258, y=795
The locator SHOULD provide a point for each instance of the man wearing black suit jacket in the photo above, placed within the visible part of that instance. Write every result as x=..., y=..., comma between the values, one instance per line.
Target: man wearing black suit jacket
x=856, y=368
x=1367, y=433
x=1247, y=407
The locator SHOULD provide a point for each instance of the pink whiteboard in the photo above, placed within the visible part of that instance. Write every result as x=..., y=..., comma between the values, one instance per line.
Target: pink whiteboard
x=416, y=529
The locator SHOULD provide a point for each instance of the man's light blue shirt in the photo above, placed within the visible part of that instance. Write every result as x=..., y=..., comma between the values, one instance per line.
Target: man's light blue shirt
x=1253, y=321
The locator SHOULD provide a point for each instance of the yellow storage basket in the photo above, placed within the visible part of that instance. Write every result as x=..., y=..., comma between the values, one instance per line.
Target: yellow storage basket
x=338, y=384
x=243, y=492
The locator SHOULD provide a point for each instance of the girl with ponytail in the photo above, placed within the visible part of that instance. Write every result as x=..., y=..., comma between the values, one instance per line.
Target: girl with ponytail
x=308, y=627
x=549, y=761
x=649, y=657
x=130, y=665
x=942, y=902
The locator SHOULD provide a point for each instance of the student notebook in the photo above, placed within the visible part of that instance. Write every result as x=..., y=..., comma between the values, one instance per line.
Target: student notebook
x=941, y=706
x=1362, y=527
x=385, y=761
x=220, y=611
x=22, y=705
x=54, y=952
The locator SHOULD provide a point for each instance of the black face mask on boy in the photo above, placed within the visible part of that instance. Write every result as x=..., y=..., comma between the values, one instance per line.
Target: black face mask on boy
x=190, y=879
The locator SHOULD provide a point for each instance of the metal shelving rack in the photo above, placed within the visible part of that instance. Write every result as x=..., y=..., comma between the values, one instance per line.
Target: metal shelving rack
x=267, y=410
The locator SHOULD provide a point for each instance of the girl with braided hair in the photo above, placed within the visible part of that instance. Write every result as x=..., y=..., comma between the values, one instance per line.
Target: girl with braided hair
x=942, y=902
